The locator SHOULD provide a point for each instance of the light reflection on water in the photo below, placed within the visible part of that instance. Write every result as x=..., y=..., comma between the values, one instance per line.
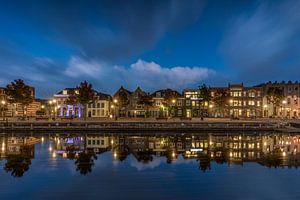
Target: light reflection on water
x=157, y=166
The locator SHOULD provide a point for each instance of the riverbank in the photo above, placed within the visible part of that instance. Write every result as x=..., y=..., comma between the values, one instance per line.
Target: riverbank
x=110, y=126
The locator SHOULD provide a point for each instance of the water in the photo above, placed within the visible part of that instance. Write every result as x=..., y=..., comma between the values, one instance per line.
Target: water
x=186, y=166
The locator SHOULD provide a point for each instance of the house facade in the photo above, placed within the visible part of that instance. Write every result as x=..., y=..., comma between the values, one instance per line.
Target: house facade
x=288, y=106
x=100, y=106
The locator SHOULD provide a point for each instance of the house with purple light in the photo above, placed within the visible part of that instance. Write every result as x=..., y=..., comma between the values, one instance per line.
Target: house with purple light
x=65, y=104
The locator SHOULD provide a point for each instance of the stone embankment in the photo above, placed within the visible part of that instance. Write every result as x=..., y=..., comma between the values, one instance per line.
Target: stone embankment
x=141, y=126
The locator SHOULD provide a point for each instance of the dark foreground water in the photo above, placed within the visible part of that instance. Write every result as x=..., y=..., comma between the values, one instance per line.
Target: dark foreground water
x=149, y=167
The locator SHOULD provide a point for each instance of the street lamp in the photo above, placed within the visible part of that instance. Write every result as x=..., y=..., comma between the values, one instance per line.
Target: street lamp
x=284, y=103
x=2, y=108
x=265, y=110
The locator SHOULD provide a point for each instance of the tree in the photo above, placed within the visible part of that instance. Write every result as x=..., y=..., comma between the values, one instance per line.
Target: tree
x=204, y=161
x=85, y=95
x=19, y=92
x=85, y=161
x=19, y=164
x=205, y=97
x=220, y=100
x=275, y=96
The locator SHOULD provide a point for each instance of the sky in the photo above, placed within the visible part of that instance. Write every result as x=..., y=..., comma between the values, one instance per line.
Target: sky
x=153, y=44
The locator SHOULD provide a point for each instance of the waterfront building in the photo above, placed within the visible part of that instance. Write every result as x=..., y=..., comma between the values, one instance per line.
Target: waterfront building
x=167, y=103
x=120, y=102
x=100, y=106
x=245, y=102
x=139, y=101
x=192, y=102
x=288, y=106
x=64, y=104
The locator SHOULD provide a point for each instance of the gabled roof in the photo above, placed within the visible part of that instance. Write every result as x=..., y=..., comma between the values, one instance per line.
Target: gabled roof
x=103, y=96
x=122, y=89
x=139, y=92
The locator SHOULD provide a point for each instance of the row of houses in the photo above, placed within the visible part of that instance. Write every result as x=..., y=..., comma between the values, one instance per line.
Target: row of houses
x=234, y=100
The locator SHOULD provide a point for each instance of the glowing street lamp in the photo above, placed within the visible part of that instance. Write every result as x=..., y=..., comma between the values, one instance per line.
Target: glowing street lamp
x=284, y=103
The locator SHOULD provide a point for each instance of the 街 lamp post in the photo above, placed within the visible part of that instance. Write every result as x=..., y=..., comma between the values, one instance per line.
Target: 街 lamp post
x=284, y=108
x=53, y=108
x=3, y=103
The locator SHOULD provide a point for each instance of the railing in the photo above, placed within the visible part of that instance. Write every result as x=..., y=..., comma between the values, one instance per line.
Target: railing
x=135, y=125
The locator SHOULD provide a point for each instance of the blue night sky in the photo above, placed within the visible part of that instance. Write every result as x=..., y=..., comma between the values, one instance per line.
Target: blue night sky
x=153, y=44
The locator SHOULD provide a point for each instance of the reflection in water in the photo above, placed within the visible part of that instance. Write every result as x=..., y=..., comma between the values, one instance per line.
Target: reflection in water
x=270, y=150
x=85, y=161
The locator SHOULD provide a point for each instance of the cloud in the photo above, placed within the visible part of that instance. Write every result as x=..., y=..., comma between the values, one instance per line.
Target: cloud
x=153, y=76
x=78, y=68
x=148, y=75
x=156, y=162
x=265, y=42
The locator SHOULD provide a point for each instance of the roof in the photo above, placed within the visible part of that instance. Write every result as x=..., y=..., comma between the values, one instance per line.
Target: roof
x=103, y=96
x=122, y=89
x=165, y=93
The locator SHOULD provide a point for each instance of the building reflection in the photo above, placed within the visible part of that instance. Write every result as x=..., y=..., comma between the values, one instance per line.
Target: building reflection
x=18, y=151
x=269, y=150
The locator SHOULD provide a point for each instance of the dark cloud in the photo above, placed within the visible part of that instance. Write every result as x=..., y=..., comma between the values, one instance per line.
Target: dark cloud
x=100, y=33
x=265, y=44
x=110, y=30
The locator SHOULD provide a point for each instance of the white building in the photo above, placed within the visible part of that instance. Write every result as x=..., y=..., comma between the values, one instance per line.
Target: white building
x=100, y=106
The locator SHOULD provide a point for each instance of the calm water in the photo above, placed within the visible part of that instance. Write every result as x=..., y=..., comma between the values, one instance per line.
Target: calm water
x=151, y=167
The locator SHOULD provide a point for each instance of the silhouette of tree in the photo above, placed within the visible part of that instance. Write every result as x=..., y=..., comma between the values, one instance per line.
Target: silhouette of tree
x=19, y=92
x=85, y=95
x=220, y=100
x=205, y=96
x=272, y=159
x=204, y=161
x=17, y=164
x=85, y=161
x=275, y=96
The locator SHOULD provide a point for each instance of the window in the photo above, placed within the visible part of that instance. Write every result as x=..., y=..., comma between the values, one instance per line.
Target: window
x=251, y=103
x=102, y=142
x=102, y=105
x=98, y=105
x=188, y=102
